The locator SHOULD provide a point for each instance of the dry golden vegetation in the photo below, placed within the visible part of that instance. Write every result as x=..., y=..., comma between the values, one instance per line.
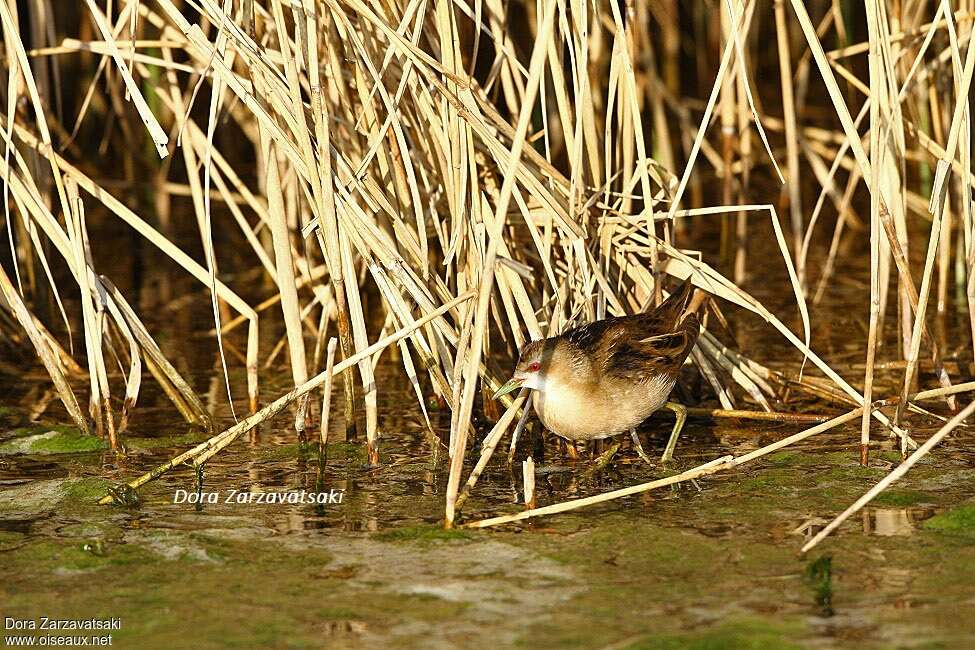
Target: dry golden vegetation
x=485, y=173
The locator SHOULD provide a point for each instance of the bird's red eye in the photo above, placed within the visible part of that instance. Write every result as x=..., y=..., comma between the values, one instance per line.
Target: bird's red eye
x=534, y=366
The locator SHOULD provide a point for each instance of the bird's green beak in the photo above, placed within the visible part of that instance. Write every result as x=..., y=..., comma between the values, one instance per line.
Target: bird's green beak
x=512, y=385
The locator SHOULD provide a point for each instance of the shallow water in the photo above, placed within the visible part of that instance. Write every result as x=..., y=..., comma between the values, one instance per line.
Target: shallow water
x=713, y=564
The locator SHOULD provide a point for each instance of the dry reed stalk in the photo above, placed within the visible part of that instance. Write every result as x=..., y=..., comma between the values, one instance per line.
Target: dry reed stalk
x=285, y=275
x=878, y=149
x=963, y=387
x=206, y=449
x=767, y=416
x=487, y=449
x=711, y=467
x=360, y=339
x=528, y=479
x=134, y=376
x=792, y=190
x=158, y=134
x=327, y=394
x=487, y=279
x=99, y=403
x=701, y=470
x=325, y=203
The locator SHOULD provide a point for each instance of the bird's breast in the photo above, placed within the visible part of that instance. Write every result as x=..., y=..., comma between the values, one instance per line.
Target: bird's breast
x=580, y=412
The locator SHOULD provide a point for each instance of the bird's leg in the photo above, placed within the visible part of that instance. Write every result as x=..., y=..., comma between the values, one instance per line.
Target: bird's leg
x=639, y=447
x=681, y=412
x=604, y=459
x=570, y=448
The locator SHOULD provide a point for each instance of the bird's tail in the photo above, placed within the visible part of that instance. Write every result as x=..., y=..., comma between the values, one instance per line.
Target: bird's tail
x=678, y=316
x=685, y=299
x=676, y=303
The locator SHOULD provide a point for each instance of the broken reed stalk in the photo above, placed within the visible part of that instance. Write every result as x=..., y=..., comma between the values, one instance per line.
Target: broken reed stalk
x=205, y=450
x=941, y=392
x=711, y=467
x=697, y=472
x=528, y=480
x=768, y=416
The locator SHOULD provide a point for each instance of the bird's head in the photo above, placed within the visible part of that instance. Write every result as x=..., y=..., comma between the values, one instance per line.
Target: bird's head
x=531, y=370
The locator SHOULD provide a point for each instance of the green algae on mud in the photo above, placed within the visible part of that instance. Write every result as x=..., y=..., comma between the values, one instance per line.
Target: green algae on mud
x=50, y=439
x=173, y=600
x=75, y=556
x=72, y=495
x=187, y=438
x=432, y=533
x=317, y=597
x=957, y=521
x=893, y=497
x=626, y=604
x=347, y=451
x=11, y=539
x=652, y=577
x=85, y=491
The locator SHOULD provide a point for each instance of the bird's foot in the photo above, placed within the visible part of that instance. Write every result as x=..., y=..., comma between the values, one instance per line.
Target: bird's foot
x=639, y=447
x=604, y=459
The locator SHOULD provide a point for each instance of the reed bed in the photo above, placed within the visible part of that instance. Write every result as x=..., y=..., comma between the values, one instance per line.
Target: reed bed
x=471, y=176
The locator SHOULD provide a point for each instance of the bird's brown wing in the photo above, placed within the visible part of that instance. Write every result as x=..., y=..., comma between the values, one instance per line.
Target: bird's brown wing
x=597, y=338
x=592, y=344
x=642, y=346
x=594, y=338
x=641, y=358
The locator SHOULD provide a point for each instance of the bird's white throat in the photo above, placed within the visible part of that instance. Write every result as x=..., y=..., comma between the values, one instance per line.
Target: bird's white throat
x=534, y=381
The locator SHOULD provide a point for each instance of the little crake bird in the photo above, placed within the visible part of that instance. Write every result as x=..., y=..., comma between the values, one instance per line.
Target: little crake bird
x=605, y=378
